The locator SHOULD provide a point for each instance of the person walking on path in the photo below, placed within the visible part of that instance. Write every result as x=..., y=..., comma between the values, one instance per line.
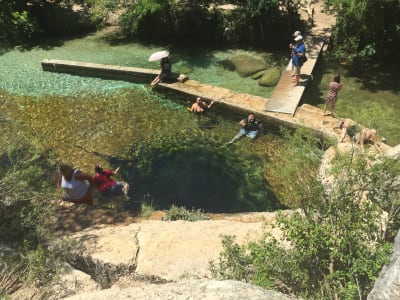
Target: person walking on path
x=334, y=87
x=250, y=127
x=75, y=185
x=199, y=106
x=298, y=58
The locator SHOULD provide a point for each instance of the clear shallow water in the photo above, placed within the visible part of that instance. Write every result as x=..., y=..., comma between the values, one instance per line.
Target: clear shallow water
x=21, y=72
x=87, y=121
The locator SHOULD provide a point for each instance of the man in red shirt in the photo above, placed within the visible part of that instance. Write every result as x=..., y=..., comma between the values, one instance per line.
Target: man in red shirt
x=108, y=186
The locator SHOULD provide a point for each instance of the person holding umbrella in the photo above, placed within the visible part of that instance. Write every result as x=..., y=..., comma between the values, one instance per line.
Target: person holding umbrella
x=165, y=65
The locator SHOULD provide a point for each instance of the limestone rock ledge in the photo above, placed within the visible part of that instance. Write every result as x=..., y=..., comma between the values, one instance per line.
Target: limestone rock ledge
x=184, y=290
x=154, y=251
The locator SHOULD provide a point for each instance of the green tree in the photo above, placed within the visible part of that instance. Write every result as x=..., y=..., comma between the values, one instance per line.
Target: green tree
x=366, y=28
x=15, y=20
x=260, y=22
x=175, y=21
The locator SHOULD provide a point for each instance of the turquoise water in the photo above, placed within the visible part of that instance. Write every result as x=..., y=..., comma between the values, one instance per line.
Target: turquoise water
x=21, y=73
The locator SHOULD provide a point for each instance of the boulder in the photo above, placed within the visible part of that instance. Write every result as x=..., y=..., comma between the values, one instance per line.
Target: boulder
x=162, y=250
x=71, y=282
x=247, y=65
x=258, y=75
x=105, y=253
x=387, y=285
x=393, y=152
x=270, y=77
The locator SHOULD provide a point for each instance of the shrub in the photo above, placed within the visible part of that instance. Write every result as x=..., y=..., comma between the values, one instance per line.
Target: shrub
x=181, y=213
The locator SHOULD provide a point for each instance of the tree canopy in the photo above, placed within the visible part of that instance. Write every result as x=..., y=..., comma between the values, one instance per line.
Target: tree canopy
x=364, y=28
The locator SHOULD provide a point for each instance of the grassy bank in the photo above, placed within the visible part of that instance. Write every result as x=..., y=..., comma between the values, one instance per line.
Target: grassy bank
x=370, y=95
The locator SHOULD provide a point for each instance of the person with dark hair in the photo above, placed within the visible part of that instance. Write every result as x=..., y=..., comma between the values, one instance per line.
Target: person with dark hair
x=166, y=71
x=334, y=87
x=357, y=135
x=250, y=127
x=108, y=186
x=75, y=185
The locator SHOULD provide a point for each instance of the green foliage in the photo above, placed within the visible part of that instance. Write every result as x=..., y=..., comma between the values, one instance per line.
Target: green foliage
x=27, y=267
x=146, y=210
x=256, y=22
x=181, y=213
x=201, y=21
x=25, y=179
x=99, y=10
x=16, y=23
x=130, y=20
x=233, y=263
x=334, y=248
x=22, y=20
x=40, y=265
x=365, y=28
x=171, y=21
x=296, y=176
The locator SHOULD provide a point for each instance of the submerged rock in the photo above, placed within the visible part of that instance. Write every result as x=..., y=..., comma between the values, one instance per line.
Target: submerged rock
x=246, y=65
x=270, y=77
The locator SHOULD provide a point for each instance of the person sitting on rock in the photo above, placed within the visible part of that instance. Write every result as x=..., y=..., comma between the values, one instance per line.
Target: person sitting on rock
x=74, y=186
x=108, y=186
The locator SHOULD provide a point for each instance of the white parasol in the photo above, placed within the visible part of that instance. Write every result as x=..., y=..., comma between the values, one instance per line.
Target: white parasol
x=158, y=55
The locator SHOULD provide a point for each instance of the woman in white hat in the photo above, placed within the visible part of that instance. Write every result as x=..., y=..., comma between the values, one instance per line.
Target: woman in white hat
x=298, y=53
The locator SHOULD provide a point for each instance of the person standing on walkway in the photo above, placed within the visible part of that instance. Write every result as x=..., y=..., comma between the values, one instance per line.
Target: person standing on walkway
x=291, y=46
x=298, y=56
x=334, y=87
x=251, y=127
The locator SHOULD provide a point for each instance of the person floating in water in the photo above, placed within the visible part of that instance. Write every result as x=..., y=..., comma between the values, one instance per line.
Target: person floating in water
x=75, y=185
x=200, y=106
x=166, y=68
x=250, y=127
x=108, y=186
